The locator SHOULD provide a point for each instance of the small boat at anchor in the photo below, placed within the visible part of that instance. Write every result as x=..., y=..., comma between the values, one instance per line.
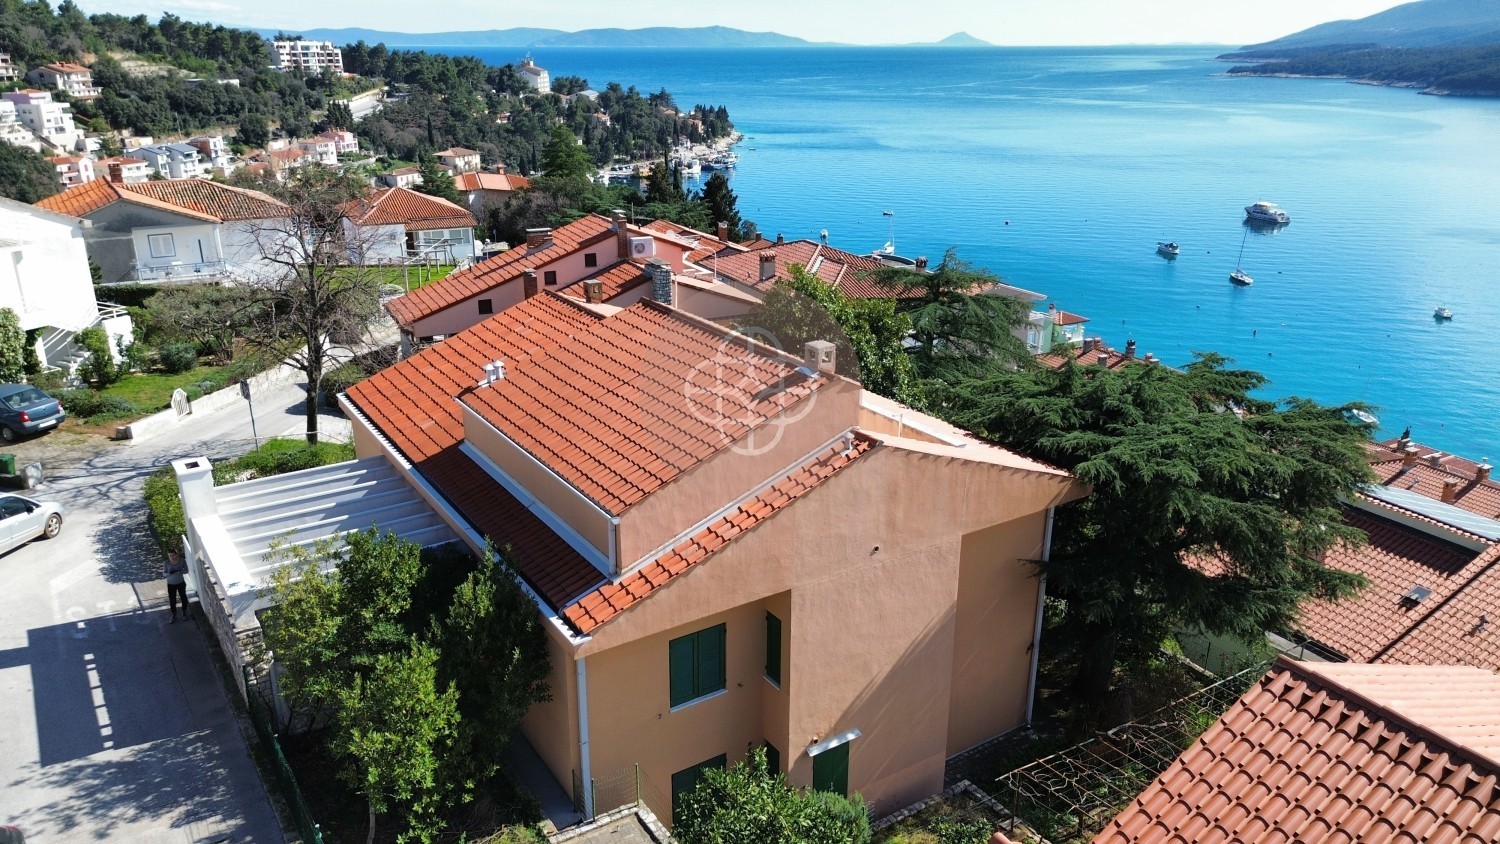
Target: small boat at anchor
x=1239, y=276
x=1267, y=212
x=1170, y=250
x=1442, y=312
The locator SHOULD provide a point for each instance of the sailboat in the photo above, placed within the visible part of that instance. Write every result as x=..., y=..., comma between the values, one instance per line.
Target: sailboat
x=1239, y=276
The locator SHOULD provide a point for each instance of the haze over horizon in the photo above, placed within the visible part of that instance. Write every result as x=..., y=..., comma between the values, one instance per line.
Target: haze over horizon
x=1004, y=22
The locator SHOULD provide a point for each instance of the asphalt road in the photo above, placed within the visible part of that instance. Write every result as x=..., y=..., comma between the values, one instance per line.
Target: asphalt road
x=114, y=724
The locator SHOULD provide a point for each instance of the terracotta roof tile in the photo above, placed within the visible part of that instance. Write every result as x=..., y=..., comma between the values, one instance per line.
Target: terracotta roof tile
x=503, y=268
x=490, y=181
x=1472, y=493
x=1062, y=317
x=415, y=210
x=197, y=198
x=413, y=405
x=843, y=270
x=617, y=281
x=606, y=412
x=704, y=245
x=1417, y=762
x=603, y=604
x=1113, y=358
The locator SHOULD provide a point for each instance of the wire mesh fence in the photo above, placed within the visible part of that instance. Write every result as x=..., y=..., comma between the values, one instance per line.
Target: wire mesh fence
x=286, y=780
x=1072, y=794
x=626, y=787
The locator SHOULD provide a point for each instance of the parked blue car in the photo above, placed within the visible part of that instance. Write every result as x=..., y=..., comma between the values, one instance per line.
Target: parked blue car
x=25, y=410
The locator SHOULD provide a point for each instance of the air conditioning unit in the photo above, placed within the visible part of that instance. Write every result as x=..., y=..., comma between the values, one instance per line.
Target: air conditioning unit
x=642, y=247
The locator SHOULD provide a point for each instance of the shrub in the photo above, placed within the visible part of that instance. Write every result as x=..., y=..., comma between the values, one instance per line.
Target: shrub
x=94, y=406
x=12, y=346
x=339, y=379
x=99, y=367
x=178, y=357
x=167, y=521
x=51, y=382
x=748, y=804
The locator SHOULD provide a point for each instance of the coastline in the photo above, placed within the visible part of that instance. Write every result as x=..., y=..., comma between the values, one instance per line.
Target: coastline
x=1419, y=87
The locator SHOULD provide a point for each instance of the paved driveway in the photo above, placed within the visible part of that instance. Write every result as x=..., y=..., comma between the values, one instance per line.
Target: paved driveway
x=114, y=724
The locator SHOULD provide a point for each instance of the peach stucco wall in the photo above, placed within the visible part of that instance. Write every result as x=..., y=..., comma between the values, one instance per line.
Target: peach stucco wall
x=461, y=315
x=552, y=726
x=870, y=562
x=997, y=592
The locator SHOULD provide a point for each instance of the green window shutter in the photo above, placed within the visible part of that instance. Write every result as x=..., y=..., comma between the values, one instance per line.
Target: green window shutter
x=773, y=648
x=711, y=660
x=683, y=670
x=831, y=770
x=773, y=759
x=687, y=779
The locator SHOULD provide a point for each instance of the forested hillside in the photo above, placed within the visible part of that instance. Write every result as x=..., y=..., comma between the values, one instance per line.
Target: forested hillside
x=1470, y=71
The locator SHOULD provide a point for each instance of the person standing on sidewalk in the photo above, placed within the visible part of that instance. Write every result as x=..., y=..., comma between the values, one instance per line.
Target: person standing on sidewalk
x=177, y=585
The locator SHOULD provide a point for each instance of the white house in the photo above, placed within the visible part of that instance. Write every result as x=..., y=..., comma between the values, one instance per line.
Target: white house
x=459, y=160
x=213, y=151
x=177, y=230
x=175, y=161
x=307, y=56
x=343, y=140
x=401, y=177
x=13, y=131
x=8, y=71
x=75, y=79
x=73, y=169
x=392, y=224
x=51, y=122
x=131, y=170
x=44, y=278
x=537, y=76
x=320, y=150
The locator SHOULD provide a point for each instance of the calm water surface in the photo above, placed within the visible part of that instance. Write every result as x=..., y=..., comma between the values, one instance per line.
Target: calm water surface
x=1061, y=168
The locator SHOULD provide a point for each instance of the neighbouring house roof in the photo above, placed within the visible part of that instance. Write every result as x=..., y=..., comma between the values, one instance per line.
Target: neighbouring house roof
x=1368, y=626
x=490, y=181
x=404, y=171
x=414, y=405
x=197, y=198
x=617, y=280
x=1061, y=317
x=499, y=269
x=606, y=411
x=1335, y=753
x=455, y=152
x=704, y=246
x=66, y=67
x=841, y=269
x=405, y=207
x=1113, y=358
x=611, y=599
x=1477, y=496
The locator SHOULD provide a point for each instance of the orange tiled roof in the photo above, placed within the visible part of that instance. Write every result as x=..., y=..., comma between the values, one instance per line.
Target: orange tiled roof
x=83, y=200
x=405, y=207
x=617, y=280
x=611, y=599
x=413, y=404
x=638, y=399
x=841, y=269
x=497, y=270
x=1113, y=358
x=1335, y=753
x=455, y=152
x=490, y=181
x=1062, y=317
x=1366, y=626
x=222, y=202
x=1472, y=494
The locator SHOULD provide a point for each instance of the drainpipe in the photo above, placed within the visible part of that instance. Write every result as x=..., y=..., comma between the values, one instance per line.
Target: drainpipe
x=1036, y=633
x=583, y=738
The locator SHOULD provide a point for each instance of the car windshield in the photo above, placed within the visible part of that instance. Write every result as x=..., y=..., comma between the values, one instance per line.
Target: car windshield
x=26, y=398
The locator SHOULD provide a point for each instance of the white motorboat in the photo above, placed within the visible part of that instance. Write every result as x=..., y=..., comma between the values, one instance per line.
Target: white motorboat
x=1362, y=417
x=1267, y=212
x=1170, y=250
x=1241, y=278
x=1442, y=312
x=689, y=167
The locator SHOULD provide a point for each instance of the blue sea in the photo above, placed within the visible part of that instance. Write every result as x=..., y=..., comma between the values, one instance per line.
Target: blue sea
x=1060, y=169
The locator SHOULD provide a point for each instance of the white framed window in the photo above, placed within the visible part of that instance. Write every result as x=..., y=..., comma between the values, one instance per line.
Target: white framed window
x=161, y=245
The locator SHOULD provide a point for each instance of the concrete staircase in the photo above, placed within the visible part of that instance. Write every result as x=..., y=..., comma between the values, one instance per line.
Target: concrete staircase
x=267, y=517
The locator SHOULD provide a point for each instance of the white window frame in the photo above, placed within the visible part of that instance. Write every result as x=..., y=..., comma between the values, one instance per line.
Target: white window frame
x=171, y=245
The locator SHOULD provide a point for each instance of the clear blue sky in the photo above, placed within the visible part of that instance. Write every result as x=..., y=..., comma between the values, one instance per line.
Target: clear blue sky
x=1009, y=22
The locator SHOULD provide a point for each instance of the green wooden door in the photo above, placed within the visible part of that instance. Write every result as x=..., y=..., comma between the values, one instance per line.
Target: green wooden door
x=831, y=770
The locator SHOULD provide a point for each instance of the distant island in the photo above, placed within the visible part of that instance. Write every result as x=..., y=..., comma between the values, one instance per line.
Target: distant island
x=1439, y=46
x=530, y=38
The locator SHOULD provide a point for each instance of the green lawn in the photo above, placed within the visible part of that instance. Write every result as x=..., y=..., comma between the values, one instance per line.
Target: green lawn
x=418, y=276
x=153, y=391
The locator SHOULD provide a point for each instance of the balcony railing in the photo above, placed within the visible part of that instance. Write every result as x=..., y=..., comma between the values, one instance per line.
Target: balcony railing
x=182, y=270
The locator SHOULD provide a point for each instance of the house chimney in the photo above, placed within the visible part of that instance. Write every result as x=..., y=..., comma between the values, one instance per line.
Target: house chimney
x=538, y=238
x=493, y=371
x=820, y=356
x=1409, y=456
x=622, y=235
x=1450, y=490
x=1435, y=460
x=921, y=262
x=1102, y=359
x=116, y=173
x=1482, y=473
x=1088, y=346
x=1150, y=358
x=661, y=280
x=779, y=239
x=1130, y=350
x=767, y=265
x=529, y=285
x=722, y=232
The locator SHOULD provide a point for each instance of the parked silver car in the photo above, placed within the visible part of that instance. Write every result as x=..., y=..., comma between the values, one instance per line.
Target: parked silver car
x=23, y=519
